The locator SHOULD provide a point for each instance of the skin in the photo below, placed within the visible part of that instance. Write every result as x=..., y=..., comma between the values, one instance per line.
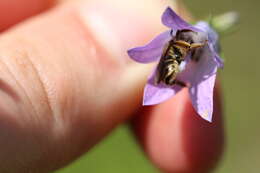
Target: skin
x=58, y=73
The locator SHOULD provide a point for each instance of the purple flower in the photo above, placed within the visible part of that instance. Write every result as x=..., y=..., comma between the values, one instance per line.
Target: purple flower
x=199, y=75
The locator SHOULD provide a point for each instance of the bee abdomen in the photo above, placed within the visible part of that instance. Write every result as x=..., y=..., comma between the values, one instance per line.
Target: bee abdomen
x=171, y=52
x=171, y=69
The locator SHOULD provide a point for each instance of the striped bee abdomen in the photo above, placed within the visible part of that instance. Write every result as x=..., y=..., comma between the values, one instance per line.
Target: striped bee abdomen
x=168, y=67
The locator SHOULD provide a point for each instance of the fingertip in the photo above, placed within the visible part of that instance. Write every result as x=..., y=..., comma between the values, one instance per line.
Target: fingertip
x=176, y=139
x=203, y=141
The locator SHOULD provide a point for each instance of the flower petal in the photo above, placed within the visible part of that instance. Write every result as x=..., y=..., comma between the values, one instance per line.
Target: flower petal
x=219, y=61
x=217, y=57
x=201, y=76
x=205, y=27
x=202, y=83
x=213, y=40
x=202, y=97
x=152, y=51
x=154, y=94
x=172, y=20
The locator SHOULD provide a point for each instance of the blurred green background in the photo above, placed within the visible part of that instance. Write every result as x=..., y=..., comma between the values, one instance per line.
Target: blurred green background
x=240, y=83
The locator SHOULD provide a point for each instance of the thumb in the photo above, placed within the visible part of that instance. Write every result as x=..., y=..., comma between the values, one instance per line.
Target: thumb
x=66, y=80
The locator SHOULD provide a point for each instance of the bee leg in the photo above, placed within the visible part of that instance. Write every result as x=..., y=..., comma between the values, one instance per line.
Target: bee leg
x=196, y=45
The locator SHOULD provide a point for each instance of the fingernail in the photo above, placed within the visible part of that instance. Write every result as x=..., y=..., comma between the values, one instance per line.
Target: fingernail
x=121, y=25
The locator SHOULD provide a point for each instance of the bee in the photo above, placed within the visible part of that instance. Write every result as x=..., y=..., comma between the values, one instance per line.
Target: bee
x=174, y=53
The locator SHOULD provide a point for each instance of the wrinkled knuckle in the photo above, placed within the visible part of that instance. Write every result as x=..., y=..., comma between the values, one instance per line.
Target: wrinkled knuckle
x=26, y=82
x=23, y=110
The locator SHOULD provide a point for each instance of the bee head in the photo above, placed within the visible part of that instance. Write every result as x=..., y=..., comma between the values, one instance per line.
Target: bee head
x=190, y=36
x=185, y=35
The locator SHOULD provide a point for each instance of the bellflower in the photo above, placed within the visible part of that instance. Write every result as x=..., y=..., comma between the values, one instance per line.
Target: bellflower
x=198, y=75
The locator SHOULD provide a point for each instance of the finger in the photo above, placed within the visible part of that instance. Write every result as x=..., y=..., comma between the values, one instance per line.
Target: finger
x=67, y=80
x=176, y=139
x=14, y=11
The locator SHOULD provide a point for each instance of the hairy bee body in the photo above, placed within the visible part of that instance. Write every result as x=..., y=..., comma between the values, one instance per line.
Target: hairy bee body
x=173, y=54
x=168, y=67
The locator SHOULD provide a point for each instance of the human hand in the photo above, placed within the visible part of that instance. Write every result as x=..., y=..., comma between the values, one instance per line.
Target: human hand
x=66, y=82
